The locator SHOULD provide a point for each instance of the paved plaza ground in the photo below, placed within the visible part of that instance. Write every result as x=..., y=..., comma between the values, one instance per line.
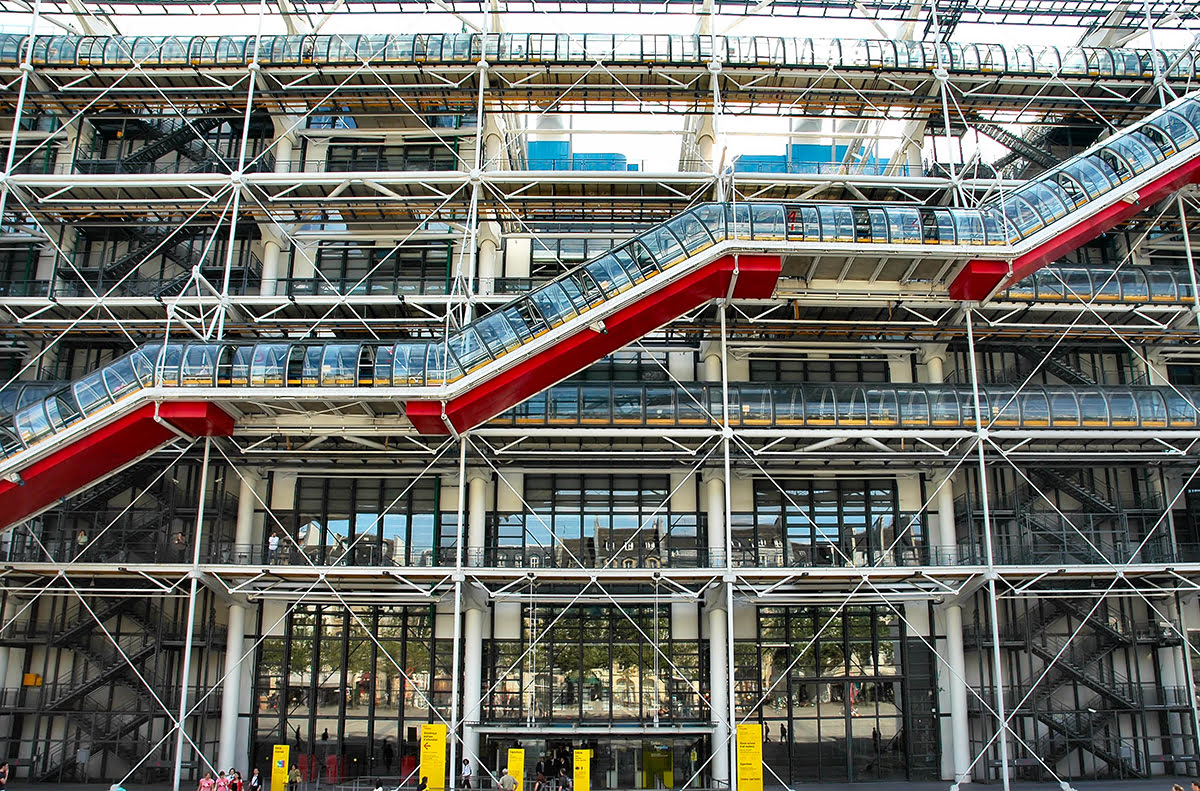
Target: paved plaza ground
x=1152, y=784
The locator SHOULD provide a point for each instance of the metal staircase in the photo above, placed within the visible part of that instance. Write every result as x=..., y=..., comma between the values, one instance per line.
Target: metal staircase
x=1045, y=357
x=1015, y=143
x=108, y=727
x=1073, y=486
x=181, y=136
x=1075, y=662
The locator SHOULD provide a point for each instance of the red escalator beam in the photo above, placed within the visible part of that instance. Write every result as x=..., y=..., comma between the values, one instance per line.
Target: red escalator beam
x=980, y=278
x=757, y=275
x=103, y=451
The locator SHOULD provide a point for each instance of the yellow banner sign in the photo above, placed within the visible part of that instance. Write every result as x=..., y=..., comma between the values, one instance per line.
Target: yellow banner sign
x=279, y=767
x=433, y=755
x=583, y=770
x=516, y=766
x=749, y=757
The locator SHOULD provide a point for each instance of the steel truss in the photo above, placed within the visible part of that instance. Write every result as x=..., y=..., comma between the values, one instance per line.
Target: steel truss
x=820, y=306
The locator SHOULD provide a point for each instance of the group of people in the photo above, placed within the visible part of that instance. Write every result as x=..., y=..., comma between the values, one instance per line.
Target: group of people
x=231, y=781
x=551, y=774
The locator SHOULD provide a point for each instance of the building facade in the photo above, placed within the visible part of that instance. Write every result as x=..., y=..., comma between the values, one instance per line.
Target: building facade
x=358, y=381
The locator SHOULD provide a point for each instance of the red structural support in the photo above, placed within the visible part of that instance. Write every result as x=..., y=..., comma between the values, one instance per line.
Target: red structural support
x=103, y=451
x=756, y=278
x=980, y=278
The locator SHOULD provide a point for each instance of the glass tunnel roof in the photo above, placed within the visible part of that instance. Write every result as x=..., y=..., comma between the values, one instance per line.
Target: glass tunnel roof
x=1005, y=220
x=437, y=48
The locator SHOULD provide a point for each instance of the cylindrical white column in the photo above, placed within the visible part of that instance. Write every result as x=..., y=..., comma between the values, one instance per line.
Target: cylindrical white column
x=270, y=268
x=1170, y=662
x=492, y=150
x=228, y=754
x=487, y=266
x=718, y=631
x=472, y=690
x=243, y=535
x=957, y=681
x=284, y=146
x=945, y=538
x=934, y=367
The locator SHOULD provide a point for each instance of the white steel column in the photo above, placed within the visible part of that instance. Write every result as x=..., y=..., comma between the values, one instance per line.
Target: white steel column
x=489, y=255
x=270, y=268
x=955, y=659
x=228, y=753
x=960, y=726
x=473, y=622
x=718, y=632
x=284, y=145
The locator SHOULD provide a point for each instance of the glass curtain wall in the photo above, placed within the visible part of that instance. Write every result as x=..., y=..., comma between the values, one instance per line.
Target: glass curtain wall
x=347, y=689
x=826, y=522
x=614, y=521
x=830, y=690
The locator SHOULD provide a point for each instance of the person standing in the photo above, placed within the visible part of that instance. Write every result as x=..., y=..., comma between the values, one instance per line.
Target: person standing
x=389, y=754
x=3, y=775
x=81, y=542
x=465, y=775
x=207, y=783
x=294, y=778
x=255, y=780
x=273, y=546
x=507, y=781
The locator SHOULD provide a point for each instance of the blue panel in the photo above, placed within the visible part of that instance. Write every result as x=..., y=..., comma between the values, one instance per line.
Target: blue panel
x=549, y=155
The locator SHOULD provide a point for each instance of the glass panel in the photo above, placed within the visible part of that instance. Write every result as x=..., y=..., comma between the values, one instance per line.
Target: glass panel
x=90, y=393
x=239, y=373
x=1068, y=188
x=1116, y=164
x=1093, y=178
x=642, y=258
x=609, y=274
x=740, y=222
x=968, y=225
x=119, y=378
x=1044, y=200
x=769, y=221
x=554, y=305
x=339, y=365
x=914, y=407
x=663, y=245
x=1121, y=409
x=496, y=333
x=1035, y=409
x=1152, y=409
x=166, y=364
x=1182, y=408
x=468, y=348
x=408, y=364
x=199, y=366
x=712, y=216
x=1093, y=408
x=691, y=232
x=1174, y=126
x=1064, y=409
x=525, y=320
x=837, y=224
x=267, y=367
x=1022, y=215
x=32, y=423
